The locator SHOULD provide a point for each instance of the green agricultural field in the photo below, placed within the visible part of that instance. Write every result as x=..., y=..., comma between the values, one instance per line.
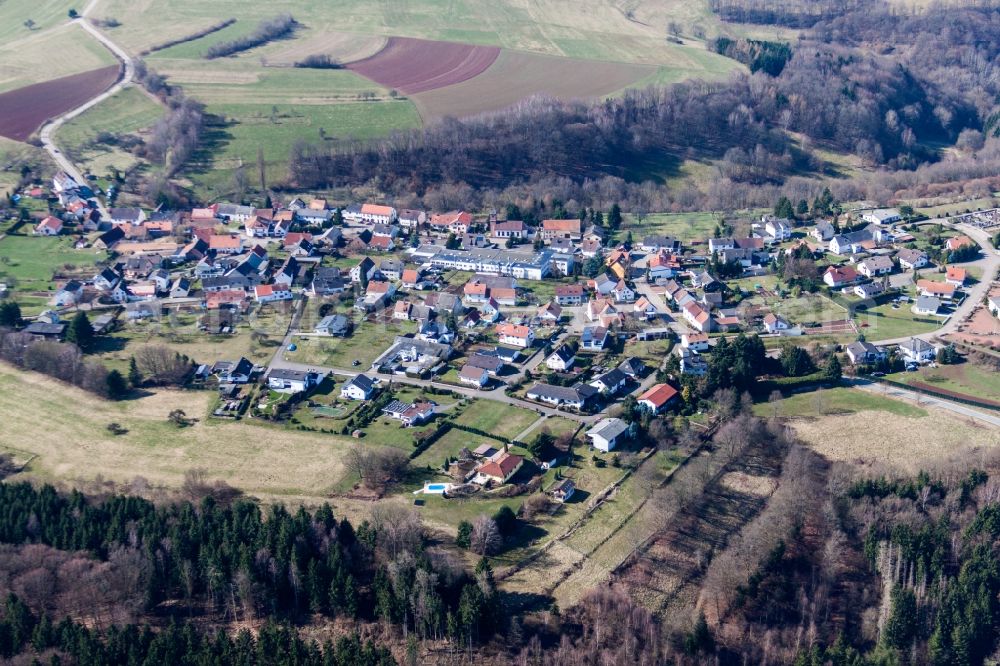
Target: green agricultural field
x=835, y=401
x=41, y=55
x=495, y=417
x=130, y=111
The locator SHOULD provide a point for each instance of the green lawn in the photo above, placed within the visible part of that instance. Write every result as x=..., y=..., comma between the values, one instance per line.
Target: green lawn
x=686, y=226
x=835, y=401
x=367, y=342
x=32, y=262
x=884, y=323
x=497, y=418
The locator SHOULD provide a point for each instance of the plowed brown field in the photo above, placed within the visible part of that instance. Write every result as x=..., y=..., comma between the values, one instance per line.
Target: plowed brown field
x=416, y=65
x=22, y=111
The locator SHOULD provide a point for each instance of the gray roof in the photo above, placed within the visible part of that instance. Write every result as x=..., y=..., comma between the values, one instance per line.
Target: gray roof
x=287, y=373
x=486, y=362
x=612, y=377
x=930, y=303
x=608, y=428
x=364, y=382
x=916, y=345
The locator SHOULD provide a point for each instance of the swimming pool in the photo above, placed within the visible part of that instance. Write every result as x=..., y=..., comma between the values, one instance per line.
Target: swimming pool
x=435, y=488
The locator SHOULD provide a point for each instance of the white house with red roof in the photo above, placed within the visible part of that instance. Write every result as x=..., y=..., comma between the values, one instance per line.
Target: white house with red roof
x=840, y=276
x=50, y=226
x=658, y=397
x=515, y=335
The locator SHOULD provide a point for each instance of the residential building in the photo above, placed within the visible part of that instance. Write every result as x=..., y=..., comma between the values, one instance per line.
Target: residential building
x=910, y=259
x=774, y=324
x=360, y=387
x=633, y=367
x=840, y=276
x=284, y=380
x=864, y=353
x=699, y=318
x=515, y=335
x=610, y=382
x=957, y=242
x=327, y=281
x=956, y=276
x=509, y=229
x=336, y=325
x=50, y=226
x=473, y=376
x=493, y=365
x=269, y=293
x=500, y=469
x=228, y=372
x=875, y=266
x=823, y=231
x=655, y=243
x=568, y=229
x=777, y=229
x=850, y=242
x=456, y=222
x=658, y=397
x=927, y=305
x=941, y=290
x=563, y=490
x=561, y=359
x=868, y=289
x=695, y=341
x=607, y=433
x=576, y=396
x=917, y=351
x=594, y=338
x=882, y=216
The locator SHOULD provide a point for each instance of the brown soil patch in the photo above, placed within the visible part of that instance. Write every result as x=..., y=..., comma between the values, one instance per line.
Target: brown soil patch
x=24, y=110
x=415, y=65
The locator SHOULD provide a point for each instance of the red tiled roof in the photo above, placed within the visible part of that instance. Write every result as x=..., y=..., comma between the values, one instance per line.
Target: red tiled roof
x=659, y=395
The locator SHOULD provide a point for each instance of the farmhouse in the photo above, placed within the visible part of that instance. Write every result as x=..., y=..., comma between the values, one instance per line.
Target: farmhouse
x=658, y=397
x=606, y=434
x=292, y=381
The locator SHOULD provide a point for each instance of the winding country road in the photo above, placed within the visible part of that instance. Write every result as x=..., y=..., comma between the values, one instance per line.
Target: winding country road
x=48, y=130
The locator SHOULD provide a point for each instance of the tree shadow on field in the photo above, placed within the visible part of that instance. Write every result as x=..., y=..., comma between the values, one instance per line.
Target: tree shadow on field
x=214, y=138
x=525, y=602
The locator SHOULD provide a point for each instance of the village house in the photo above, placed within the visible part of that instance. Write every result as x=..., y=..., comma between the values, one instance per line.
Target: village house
x=850, y=242
x=958, y=242
x=359, y=387
x=882, y=216
x=926, y=305
x=956, y=276
x=411, y=219
x=875, y=266
x=864, y=353
x=561, y=359
x=50, y=226
x=327, y=281
x=493, y=365
x=229, y=372
x=499, y=469
x=576, y=396
x=336, y=325
x=594, y=338
x=917, y=351
x=515, y=335
x=410, y=414
x=941, y=290
x=130, y=216
x=840, y=276
x=777, y=229
x=823, y=231
x=868, y=289
x=697, y=317
x=644, y=309
x=456, y=222
x=550, y=313
x=562, y=491
x=774, y=324
x=269, y=293
x=567, y=229
x=473, y=376
x=633, y=367
x=911, y=259
x=698, y=342
x=656, y=244
x=658, y=397
x=509, y=229
x=610, y=382
x=283, y=380
x=607, y=433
